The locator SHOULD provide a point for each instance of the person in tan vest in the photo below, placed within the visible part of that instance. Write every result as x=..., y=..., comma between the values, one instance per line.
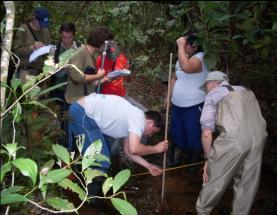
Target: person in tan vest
x=83, y=82
x=35, y=34
x=236, y=154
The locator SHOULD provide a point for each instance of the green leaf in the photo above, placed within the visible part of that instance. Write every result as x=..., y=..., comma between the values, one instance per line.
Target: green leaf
x=100, y=157
x=60, y=204
x=11, y=148
x=44, y=190
x=67, y=55
x=15, y=83
x=107, y=185
x=12, y=198
x=16, y=112
x=4, y=169
x=124, y=207
x=68, y=184
x=34, y=92
x=120, y=179
x=29, y=83
x=92, y=150
x=62, y=153
x=48, y=69
x=27, y=167
x=90, y=174
x=57, y=175
x=10, y=190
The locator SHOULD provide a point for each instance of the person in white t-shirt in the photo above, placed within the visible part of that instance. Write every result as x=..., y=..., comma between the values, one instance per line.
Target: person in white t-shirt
x=96, y=116
x=187, y=99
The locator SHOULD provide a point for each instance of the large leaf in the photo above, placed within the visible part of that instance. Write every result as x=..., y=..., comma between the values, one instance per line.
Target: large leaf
x=92, y=150
x=12, y=198
x=60, y=204
x=57, y=175
x=4, y=169
x=68, y=184
x=90, y=174
x=15, y=83
x=107, y=185
x=124, y=207
x=27, y=167
x=120, y=179
x=100, y=157
x=9, y=195
x=61, y=152
x=66, y=56
x=11, y=190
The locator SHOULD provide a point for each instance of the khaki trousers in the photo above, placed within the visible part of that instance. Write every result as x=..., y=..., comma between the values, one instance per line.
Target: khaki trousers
x=236, y=154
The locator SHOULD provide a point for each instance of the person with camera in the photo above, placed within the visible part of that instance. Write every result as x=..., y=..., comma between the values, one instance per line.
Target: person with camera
x=187, y=99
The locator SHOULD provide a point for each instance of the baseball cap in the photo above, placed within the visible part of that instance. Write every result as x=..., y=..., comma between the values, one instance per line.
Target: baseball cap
x=214, y=76
x=42, y=15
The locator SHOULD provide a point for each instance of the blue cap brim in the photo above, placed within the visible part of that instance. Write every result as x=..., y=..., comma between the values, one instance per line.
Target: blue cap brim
x=43, y=24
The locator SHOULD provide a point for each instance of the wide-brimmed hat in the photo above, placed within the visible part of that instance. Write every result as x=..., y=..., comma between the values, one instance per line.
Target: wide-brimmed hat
x=42, y=15
x=214, y=76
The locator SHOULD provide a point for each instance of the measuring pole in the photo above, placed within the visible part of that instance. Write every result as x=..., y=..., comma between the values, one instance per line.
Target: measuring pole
x=166, y=120
x=102, y=64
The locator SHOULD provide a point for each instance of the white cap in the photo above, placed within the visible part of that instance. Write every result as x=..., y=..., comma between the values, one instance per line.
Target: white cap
x=213, y=76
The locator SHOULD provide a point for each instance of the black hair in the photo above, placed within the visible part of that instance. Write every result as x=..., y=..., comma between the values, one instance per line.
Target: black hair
x=155, y=116
x=191, y=38
x=98, y=36
x=68, y=27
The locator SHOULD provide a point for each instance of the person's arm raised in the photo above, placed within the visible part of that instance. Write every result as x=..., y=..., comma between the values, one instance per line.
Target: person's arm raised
x=188, y=65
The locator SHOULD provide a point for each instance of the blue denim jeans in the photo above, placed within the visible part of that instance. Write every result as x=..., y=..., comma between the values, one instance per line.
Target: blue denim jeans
x=80, y=123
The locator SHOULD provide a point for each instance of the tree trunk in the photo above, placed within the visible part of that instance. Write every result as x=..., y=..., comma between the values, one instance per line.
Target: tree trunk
x=6, y=47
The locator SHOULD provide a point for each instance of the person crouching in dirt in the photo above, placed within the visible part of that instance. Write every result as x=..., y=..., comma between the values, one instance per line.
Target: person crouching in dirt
x=96, y=116
x=237, y=152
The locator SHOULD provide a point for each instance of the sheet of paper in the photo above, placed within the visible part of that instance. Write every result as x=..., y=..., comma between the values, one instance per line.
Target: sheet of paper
x=41, y=51
x=118, y=73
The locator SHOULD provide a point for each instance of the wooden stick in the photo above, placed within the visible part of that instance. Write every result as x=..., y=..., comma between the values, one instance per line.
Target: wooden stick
x=166, y=121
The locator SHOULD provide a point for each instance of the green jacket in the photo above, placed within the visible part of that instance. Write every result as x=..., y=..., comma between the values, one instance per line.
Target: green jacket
x=22, y=46
x=76, y=81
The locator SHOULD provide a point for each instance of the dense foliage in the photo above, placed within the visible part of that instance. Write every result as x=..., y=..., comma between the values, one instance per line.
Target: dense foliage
x=238, y=37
